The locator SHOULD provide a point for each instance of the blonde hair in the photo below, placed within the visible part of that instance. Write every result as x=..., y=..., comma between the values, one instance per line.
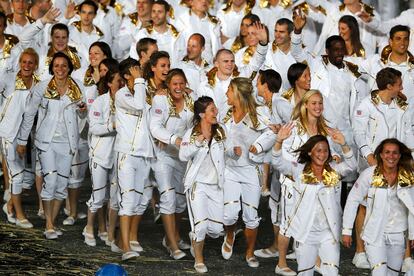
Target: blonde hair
x=243, y=93
x=300, y=113
x=30, y=52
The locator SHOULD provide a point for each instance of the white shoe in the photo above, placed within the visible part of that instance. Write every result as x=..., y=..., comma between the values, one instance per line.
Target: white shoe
x=266, y=253
x=252, y=262
x=10, y=216
x=81, y=215
x=103, y=236
x=24, y=223
x=115, y=248
x=69, y=221
x=360, y=260
x=227, y=255
x=177, y=254
x=183, y=245
x=200, y=268
x=129, y=255
x=135, y=246
x=66, y=211
x=58, y=231
x=291, y=256
x=50, y=234
x=407, y=264
x=89, y=238
x=286, y=271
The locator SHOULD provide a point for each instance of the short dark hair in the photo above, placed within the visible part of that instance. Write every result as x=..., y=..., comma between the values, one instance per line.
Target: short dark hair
x=104, y=48
x=143, y=45
x=271, y=78
x=295, y=71
x=59, y=26
x=221, y=51
x=399, y=28
x=125, y=65
x=4, y=16
x=200, y=37
x=252, y=17
x=60, y=55
x=332, y=39
x=89, y=3
x=164, y=3
x=387, y=76
x=285, y=21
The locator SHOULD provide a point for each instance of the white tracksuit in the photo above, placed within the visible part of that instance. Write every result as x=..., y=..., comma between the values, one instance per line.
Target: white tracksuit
x=315, y=222
x=101, y=153
x=16, y=97
x=166, y=126
x=389, y=215
x=57, y=133
x=242, y=174
x=133, y=145
x=204, y=181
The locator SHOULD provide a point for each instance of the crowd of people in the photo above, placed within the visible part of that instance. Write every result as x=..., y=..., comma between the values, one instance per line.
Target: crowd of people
x=200, y=108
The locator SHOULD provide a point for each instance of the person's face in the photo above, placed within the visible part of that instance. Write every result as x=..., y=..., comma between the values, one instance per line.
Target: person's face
x=87, y=14
x=336, y=53
x=19, y=6
x=261, y=87
x=143, y=7
x=60, y=40
x=200, y=6
x=45, y=6
x=225, y=63
x=210, y=114
x=304, y=81
x=96, y=56
x=390, y=156
x=116, y=83
x=344, y=31
x=319, y=153
x=152, y=48
x=251, y=38
x=244, y=25
x=161, y=69
x=27, y=65
x=282, y=35
x=194, y=48
x=399, y=43
x=238, y=3
x=231, y=97
x=60, y=68
x=395, y=88
x=176, y=87
x=350, y=2
x=314, y=106
x=158, y=15
x=102, y=70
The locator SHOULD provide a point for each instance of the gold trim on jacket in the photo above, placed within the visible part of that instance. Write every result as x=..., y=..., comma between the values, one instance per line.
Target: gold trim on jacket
x=78, y=26
x=247, y=8
x=70, y=51
x=386, y=52
x=404, y=178
x=174, y=31
x=9, y=43
x=401, y=103
x=330, y=177
x=248, y=53
x=218, y=135
x=74, y=93
x=19, y=83
x=211, y=75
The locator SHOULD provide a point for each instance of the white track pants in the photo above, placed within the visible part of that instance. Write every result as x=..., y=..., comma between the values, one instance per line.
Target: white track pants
x=79, y=165
x=15, y=166
x=102, y=179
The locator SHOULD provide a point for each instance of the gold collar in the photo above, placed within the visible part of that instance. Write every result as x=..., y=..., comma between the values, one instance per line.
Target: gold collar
x=250, y=121
x=20, y=85
x=10, y=18
x=288, y=94
x=237, y=44
x=111, y=104
x=211, y=75
x=386, y=52
x=330, y=177
x=404, y=178
x=188, y=102
x=365, y=7
x=9, y=43
x=204, y=63
x=74, y=93
x=174, y=31
x=88, y=79
x=247, y=8
x=401, y=103
x=78, y=26
x=70, y=51
x=218, y=135
x=248, y=53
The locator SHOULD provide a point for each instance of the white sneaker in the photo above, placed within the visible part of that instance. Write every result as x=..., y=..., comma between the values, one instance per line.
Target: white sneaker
x=286, y=271
x=407, y=264
x=200, y=268
x=360, y=260
x=252, y=262
x=10, y=216
x=81, y=215
x=103, y=236
x=129, y=255
x=135, y=246
x=89, y=238
x=115, y=248
x=266, y=253
x=69, y=221
x=58, y=231
x=24, y=223
x=183, y=245
x=177, y=254
x=50, y=234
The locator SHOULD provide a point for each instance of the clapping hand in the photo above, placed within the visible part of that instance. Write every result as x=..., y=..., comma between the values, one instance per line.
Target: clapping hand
x=50, y=16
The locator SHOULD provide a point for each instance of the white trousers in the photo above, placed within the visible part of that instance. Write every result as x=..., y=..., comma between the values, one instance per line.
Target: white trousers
x=79, y=165
x=132, y=175
x=241, y=191
x=287, y=202
x=102, y=181
x=205, y=210
x=274, y=200
x=15, y=166
x=55, y=164
x=387, y=258
x=169, y=175
x=322, y=244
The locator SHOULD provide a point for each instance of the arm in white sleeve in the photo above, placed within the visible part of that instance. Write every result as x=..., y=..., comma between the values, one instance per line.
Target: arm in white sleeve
x=137, y=102
x=159, y=115
x=297, y=51
x=360, y=127
x=98, y=124
x=188, y=149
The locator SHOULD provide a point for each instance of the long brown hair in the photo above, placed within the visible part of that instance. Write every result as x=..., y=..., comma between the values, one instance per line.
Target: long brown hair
x=243, y=92
x=406, y=159
x=300, y=113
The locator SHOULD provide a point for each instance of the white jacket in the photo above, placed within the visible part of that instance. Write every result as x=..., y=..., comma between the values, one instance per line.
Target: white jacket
x=370, y=185
x=133, y=136
x=45, y=102
x=16, y=98
x=195, y=153
x=101, y=128
x=166, y=125
x=309, y=190
x=371, y=127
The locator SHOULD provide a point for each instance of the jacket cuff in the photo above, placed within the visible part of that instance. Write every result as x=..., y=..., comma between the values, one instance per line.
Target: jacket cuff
x=296, y=38
x=347, y=231
x=348, y=155
x=258, y=147
x=365, y=151
x=173, y=138
x=276, y=153
x=139, y=81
